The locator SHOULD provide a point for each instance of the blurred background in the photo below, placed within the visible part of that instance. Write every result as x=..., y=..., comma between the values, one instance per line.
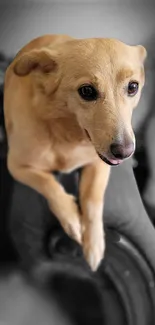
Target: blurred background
x=132, y=21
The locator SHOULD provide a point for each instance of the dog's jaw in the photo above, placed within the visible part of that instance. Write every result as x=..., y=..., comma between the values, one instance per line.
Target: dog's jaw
x=110, y=162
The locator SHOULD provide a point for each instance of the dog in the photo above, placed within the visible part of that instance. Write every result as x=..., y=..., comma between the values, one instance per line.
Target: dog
x=68, y=104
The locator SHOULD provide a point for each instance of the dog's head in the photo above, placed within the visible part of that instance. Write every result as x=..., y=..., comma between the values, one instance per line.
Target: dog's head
x=100, y=82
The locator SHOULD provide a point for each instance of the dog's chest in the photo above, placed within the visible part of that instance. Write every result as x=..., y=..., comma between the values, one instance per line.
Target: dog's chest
x=72, y=158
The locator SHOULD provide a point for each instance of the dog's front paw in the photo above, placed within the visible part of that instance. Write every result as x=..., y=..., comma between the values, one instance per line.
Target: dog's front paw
x=69, y=216
x=72, y=227
x=93, y=245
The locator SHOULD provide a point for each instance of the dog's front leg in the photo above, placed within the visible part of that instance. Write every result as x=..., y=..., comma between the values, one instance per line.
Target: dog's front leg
x=93, y=183
x=62, y=204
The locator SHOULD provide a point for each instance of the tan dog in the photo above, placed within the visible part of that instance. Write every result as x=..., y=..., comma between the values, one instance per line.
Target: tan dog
x=68, y=104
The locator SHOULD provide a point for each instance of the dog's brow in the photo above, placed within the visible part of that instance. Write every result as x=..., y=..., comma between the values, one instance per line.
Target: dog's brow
x=124, y=73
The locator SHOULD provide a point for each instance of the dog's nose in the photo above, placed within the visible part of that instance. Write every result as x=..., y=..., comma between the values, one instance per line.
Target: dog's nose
x=120, y=151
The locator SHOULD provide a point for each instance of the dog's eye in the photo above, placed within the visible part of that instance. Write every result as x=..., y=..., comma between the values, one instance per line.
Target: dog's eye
x=88, y=92
x=132, y=88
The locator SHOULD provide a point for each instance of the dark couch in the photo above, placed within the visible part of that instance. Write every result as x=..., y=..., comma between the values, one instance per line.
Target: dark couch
x=123, y=289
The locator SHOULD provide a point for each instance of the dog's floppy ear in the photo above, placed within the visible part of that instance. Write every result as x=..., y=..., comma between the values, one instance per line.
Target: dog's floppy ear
x=42, y=59
x=142, y=52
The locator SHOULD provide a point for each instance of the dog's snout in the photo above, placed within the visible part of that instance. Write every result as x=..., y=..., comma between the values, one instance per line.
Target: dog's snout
x=121, y=151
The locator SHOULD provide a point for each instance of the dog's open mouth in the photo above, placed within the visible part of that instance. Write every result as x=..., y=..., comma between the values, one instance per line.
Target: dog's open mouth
x=110, y=162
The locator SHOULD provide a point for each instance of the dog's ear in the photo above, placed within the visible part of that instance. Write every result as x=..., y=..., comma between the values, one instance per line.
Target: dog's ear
x=142, y=52
x=43, y=60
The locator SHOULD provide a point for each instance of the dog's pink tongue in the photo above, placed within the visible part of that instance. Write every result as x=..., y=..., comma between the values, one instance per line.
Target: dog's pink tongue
x=115, y=162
